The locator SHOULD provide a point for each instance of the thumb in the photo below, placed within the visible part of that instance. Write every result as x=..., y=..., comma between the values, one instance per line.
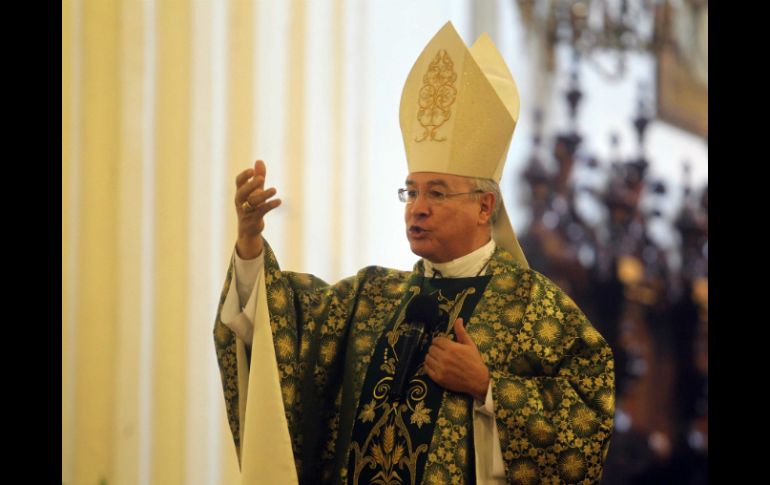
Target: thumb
x=461, y=333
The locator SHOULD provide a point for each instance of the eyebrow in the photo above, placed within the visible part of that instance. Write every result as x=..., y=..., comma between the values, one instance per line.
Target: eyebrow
x=429, y=182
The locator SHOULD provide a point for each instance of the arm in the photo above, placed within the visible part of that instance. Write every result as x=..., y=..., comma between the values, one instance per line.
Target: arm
x=269, y=412
x=234, y=318
x=297, y=328
x=252, y=202
x=554, y=403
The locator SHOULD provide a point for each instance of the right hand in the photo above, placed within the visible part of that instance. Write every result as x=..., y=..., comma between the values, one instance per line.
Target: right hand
x=250, y=186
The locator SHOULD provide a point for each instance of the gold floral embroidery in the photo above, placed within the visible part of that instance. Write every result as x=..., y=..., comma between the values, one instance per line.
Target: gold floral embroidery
x=421, y=415
x=328, y=351
x=572, y=466
x=367, y=413
x=524, y=472
x=513, y=314
x=363, y=342
x=381, y=451
x=547, y=331
x=278, y=300
x=436, y=476
x=484, y=336
x=541, y=431
x=591, y=336
x=456, y=408
x=289, y=392
x=513, y=393
x=285, y=346
x=583, y=419
x=436, y=96
x=606, y=401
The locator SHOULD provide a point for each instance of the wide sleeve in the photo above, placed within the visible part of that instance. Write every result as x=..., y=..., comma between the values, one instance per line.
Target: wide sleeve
x=306, y=319
x=554, y=404
x=226, y=345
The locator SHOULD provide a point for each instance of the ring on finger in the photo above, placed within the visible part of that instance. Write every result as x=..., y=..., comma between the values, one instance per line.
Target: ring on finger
x=247, y=207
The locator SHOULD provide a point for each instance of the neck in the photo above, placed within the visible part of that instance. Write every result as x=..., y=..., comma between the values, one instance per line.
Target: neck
x=468, y=265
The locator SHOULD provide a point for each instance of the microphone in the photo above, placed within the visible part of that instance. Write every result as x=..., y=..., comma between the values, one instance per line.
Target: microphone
x=421, y=315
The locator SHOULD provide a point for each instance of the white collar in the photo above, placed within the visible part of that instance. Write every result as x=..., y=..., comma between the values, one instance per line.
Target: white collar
x=464, y=266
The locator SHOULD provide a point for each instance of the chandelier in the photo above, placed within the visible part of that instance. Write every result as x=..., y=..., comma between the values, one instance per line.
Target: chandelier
x=601, y=32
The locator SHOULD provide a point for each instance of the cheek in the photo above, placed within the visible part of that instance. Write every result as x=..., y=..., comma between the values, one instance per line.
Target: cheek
x=408, y=212
x=460, y=231
x=463, y=221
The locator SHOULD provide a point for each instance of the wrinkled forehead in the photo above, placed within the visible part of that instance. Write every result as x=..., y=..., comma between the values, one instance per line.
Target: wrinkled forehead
x=434, y=179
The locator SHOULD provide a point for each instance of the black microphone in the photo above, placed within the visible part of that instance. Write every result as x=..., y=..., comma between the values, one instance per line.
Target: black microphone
x=421, y=316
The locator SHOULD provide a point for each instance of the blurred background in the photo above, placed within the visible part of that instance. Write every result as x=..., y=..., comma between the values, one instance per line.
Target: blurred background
x=165, y=101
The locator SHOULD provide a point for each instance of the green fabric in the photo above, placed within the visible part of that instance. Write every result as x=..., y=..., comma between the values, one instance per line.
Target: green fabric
x=552, y=373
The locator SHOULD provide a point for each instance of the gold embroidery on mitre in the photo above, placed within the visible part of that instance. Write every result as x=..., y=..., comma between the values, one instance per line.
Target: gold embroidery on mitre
x=436, y=96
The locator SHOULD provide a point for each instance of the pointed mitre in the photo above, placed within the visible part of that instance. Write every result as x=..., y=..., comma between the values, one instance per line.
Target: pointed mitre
x=459, y=108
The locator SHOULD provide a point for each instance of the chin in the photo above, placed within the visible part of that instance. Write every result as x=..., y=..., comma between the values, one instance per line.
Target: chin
x=420, y=249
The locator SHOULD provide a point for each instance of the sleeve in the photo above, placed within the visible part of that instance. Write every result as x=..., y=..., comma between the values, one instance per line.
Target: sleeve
x=554, y=405
x=246, y=273
x=228, y=347
x=306, y=319
x=486, y=440
x=239, y=306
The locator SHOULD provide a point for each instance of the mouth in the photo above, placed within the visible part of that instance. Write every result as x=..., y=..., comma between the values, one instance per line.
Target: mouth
x=417, y=231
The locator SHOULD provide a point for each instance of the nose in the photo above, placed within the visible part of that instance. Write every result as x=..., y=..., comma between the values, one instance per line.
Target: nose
x=420, y=207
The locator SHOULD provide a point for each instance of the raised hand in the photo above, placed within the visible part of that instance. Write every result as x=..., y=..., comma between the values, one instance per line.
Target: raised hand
x=252, y=202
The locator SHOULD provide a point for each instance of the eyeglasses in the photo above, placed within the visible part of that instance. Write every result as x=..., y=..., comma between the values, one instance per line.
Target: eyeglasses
x=410, y=195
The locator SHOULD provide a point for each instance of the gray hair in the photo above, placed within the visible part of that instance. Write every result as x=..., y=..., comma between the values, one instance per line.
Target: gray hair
x=489, y=185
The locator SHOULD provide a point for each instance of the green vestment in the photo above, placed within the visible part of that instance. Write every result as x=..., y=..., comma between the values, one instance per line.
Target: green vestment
x=552, y=374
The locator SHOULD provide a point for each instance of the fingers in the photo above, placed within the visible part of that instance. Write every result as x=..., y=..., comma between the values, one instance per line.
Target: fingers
x=434, y=362
x=256, y=183
x=252, y=201
x=250, y=180
x=258, y=196
x=432, y=367
x=243, y=177
x=436, y=351
x=263, y=209
x=442, y=343
x=259, y=209
x=260, y=170
x=255, y=197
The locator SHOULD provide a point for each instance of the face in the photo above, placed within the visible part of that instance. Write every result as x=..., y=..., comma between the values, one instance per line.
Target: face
x=446, y=230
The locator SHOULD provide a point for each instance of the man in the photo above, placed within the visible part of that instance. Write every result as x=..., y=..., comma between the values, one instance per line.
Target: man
x=510, y=383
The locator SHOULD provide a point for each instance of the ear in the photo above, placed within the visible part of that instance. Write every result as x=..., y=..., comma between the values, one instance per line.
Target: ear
x=487, y=200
